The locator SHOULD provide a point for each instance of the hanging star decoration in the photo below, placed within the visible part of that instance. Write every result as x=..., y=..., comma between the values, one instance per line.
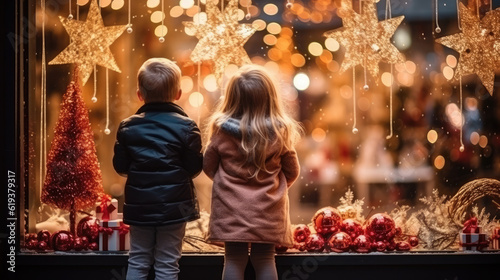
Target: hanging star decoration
x=221, y=38
x=90, y=41
x=478, y=45
x=366, y=40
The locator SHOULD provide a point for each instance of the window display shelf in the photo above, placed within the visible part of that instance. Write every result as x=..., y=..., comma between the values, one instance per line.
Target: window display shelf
x=392, y=265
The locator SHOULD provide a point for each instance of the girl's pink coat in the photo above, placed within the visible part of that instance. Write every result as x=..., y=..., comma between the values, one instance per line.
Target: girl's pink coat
x=248, y=209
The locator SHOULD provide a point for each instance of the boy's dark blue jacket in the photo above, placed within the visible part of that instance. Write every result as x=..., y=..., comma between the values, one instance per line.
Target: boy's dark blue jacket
x=159, y=150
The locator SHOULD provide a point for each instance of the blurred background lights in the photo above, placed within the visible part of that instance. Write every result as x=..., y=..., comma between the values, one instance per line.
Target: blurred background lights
x=230, y=70
x=483, y=141
x=448, y=72
x=200, y=18
x=161, y=30
x=259, y=24
x=318, y=134
x=270, y=39
x=451, y=60
x=439, y=162
x=332, y=44
x=315, y=48
x=186, y=84
x=432, y=136
x=402, y=38
x=152, y=3
x=453, y=114
x=301, y=81
x=210, y=83
x=346, y=91
x=117, y=4
x=274, y=28
x=270, y=9
x=157, y=16
x=82, y=2
x=196, y=99
x=104, y=3
x=387, y=79
x=186, y=4
x=474, y=138
x=176, y=11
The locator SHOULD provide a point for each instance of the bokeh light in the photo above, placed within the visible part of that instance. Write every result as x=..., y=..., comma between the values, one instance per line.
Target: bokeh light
x=483, y=141
x=439, y=162
x=210, y=83
x=186, y=84
x=474, y=138
x=432, y=136
x=301, y=81
x=176, y=11
x=161, y=31
x=270, y=9
x=186, y=4
x=332, y=44
x=196, y=99
x=157, y=16
x=318, y=134
x=315, y=48
x=152, y=3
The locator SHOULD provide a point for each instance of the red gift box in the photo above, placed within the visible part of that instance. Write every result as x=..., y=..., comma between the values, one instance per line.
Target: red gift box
x=495, y=239
x=114, y=236
x=107, y=209
x=473, y=241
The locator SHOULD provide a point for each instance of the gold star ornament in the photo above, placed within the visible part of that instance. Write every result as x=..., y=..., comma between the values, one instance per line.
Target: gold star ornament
x=478, y=45
x=89, y=43
x=366, y=40
x=221, y=38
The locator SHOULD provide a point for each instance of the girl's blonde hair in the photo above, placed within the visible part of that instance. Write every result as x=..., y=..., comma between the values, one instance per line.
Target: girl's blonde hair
x=252, y=97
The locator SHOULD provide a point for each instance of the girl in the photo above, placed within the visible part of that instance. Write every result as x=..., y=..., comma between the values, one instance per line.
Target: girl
x=252, y=162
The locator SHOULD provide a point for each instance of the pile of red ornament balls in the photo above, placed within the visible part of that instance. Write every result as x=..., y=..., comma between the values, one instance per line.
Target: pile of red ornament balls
x=334, y=234
x=87, y=238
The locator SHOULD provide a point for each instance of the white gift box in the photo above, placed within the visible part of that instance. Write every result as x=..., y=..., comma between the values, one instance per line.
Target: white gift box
x=114, y=235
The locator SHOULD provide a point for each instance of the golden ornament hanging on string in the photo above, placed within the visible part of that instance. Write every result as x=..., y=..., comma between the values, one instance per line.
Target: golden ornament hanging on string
x=478, y=45
x=366, y=40
x=89, y=43
x=221, y=38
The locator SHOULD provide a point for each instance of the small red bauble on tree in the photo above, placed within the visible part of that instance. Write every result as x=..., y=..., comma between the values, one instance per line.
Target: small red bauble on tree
x=78, y=244
x=327, y=220
x=362, y=244
x=315, y=243
x=381, y=227
x=339, y=242
x=73, y=180
x=352, y=227
x=62, y=241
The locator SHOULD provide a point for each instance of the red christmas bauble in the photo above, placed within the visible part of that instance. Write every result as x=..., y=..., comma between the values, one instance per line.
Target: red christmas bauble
x=381, y=227
x=352, y=227
x=281, y=249
x=379, y=246
x=301, y=246
x=315, y=243
x=403, y=246
x=32, y=244
x=30, y=236
x=78, y=244
x=44, y=235
x=43, y=246
x=300, y=233
x=339, y=242
x=390, y=245
x=88, y=227
x=362, y=244
x=413, y=240
x=62, y=241
x=94, y=246
x=327, y=220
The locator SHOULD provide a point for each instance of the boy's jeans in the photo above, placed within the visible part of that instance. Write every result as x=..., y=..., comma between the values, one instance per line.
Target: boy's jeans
x=159, y=246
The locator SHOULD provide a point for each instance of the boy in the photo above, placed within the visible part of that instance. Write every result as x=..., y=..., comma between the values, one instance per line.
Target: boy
x=158, y=149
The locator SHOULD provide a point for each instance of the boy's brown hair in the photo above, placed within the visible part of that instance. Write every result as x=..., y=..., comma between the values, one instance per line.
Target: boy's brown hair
x=158, y=80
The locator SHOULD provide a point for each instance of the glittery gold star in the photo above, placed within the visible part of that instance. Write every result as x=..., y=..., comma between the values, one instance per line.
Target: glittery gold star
x=90, y=42
x=221, y=38
x=366, y=40
x=478, y=45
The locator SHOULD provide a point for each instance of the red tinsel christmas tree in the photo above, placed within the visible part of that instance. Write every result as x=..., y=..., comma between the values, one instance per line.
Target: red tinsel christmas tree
x=73, y=181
